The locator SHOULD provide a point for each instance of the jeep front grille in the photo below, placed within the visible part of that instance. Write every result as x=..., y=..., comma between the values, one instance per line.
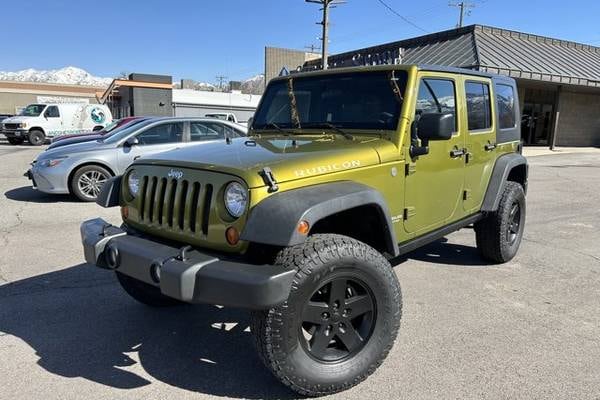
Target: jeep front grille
x=178, y=205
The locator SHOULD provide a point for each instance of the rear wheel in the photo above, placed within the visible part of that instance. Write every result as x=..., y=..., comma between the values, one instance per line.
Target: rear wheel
x=14, y=140
x=88, y=181
x=339, y=321
x=145, y=293
x=499, y=234
x=36, y=137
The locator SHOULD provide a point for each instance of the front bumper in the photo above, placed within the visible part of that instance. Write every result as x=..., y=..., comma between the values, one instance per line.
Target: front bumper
x=49, y=180
x=15, y=133
x=189, y=276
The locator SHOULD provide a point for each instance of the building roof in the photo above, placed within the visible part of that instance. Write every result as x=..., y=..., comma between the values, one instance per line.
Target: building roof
x=223, y=99
x=495, y=50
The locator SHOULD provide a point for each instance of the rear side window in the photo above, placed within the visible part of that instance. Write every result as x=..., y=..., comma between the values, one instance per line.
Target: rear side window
x=52, y=112
x=436, y=96
x=505, y=96
x=162, y=134
x=479, y=107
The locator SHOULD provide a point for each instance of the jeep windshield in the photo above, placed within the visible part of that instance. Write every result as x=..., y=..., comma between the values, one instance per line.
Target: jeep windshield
x=354, y=100
x=32, y=110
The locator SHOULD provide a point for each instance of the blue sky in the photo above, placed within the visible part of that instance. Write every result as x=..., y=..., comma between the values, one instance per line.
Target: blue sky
x=204, y=38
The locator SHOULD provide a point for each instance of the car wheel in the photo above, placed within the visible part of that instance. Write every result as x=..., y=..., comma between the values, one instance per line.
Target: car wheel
x=499, y=234
x=87, y=182
x=36, y=137
x=15, y=141
x=340, y=320
x=145, y=293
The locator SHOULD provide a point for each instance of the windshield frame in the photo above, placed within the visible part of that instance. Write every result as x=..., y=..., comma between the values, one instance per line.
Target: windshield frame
x=398, y=82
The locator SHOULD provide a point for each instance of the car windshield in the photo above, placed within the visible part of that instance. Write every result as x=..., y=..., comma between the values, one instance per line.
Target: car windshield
x=356, y=100
x=32, y=110
x=125, y=131
x=114, y=126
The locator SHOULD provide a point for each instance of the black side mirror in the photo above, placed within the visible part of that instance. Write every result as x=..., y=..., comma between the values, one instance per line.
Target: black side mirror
x=132, y=141
x=431, y=126
x=436, y=126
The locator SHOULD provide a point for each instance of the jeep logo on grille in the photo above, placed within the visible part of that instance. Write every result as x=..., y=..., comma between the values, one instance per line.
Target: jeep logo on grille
x=175, y=173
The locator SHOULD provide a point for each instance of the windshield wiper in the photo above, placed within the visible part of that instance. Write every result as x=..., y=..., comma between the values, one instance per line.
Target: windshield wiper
x=330, y=126
x=274, y=125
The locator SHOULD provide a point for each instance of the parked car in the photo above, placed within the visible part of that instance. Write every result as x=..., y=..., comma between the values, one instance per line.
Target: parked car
x=82, y=168
x=110, y=129
x=38, y=123
x=231, y=117
x=4, y=116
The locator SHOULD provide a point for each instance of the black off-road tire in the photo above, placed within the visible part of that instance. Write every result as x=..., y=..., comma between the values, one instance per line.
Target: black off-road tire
x=36, y=137
x=92, y=170
x=283, y=346
x=145, y=293
x=15, y=140
x=497, y=237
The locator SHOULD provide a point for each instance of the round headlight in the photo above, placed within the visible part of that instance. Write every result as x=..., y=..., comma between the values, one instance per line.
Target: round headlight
x=236, y=199
x=134, y=183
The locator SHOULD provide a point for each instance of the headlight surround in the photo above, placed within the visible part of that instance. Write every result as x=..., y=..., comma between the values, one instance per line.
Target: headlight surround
x=23, y=125
x=236, y=199
x=133, y=183
x=51, y=162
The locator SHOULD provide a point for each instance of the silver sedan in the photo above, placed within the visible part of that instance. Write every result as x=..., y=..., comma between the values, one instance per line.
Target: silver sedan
x=82, y=168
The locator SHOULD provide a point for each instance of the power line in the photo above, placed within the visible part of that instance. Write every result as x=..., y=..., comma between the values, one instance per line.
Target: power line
x=402, y=17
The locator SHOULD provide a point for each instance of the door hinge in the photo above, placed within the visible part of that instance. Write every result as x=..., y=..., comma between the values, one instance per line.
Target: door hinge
x=466, y=194
x=410, y=169
x=409, y=212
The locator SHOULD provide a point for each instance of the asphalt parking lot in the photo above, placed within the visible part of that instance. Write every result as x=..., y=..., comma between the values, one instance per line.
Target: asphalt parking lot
x=527, y=329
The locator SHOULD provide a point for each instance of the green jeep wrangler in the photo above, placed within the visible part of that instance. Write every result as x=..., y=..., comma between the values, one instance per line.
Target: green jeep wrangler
x=342, y=171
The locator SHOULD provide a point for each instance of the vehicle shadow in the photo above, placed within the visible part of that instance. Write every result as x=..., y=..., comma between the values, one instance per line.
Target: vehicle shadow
x=81, y=324
x=30, y=195
x=443, y=252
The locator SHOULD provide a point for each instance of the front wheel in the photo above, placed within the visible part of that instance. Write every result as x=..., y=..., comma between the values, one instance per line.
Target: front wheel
x=36, y=137
x=499, y=234
x=340, y=320
x=88, y=181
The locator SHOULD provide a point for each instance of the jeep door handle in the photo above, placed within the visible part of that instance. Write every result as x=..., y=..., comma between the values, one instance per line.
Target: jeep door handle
x=490, y=146
x=455, y=153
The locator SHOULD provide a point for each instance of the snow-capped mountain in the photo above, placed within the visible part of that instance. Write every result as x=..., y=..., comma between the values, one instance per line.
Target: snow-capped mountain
x=66, y=75
x=254, y=85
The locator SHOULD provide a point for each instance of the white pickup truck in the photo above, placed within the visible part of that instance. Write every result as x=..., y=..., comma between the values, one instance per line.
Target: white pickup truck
x=40, y=122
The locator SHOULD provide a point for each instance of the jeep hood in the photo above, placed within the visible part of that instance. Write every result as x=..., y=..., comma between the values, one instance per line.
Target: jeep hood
x=288, y=158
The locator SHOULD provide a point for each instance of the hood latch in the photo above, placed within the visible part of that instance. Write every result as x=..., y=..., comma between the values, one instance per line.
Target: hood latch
x=269, y=179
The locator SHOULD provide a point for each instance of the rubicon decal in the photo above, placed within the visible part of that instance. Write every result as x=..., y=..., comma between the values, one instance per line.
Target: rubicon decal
x=323, y=169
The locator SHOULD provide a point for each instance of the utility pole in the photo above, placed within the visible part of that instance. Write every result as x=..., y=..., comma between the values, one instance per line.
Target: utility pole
x=464, y=7
x=312, y=48
x=327, y=4
x=221, y=79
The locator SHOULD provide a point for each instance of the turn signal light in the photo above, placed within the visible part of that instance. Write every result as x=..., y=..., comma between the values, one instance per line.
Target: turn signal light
x=232, y=235
x=303, y=227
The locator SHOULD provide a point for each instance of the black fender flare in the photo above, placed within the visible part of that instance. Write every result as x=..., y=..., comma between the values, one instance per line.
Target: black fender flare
x=110, y=193
x=504, y=164
x=274, y=220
